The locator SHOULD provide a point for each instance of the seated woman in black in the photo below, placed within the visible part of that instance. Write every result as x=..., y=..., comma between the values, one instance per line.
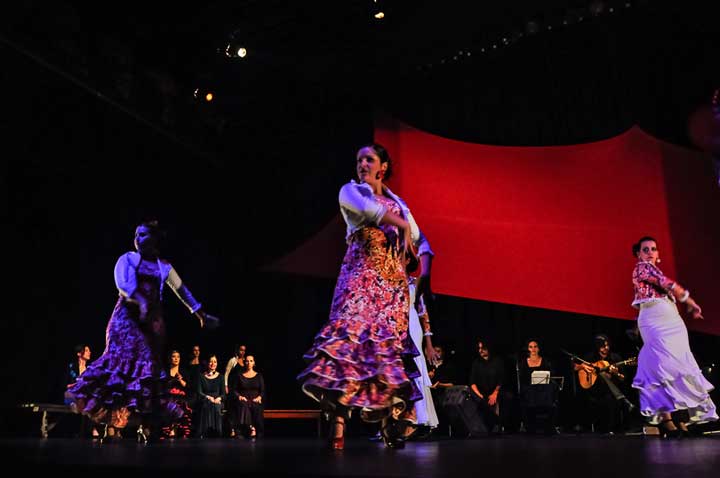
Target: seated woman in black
x=210, y=399
x=536, y=398
x=249, y=392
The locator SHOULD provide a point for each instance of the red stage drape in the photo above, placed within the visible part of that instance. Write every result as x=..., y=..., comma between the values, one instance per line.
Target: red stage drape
x=549, y=227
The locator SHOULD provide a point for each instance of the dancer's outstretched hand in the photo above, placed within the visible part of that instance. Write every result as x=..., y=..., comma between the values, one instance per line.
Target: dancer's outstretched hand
x=694, y=310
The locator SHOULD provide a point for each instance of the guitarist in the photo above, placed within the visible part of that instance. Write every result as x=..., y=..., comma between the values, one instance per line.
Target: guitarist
x=603, y=399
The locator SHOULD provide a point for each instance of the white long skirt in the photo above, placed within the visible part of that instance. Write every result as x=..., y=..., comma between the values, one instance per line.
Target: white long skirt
x=668, y=377
x=425, y=408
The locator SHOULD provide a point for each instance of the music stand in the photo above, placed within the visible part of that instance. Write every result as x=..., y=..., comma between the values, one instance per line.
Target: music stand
x=540, y=377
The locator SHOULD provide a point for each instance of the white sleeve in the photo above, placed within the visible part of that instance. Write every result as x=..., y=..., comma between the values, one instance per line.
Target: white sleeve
x=125, y=276
x=361, y=202
x=183, y=293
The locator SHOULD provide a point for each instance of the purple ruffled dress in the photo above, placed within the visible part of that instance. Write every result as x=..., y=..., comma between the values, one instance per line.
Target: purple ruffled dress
x=128, y=375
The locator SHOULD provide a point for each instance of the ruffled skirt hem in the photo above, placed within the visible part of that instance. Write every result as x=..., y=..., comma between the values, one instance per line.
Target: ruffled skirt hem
x=689, y=392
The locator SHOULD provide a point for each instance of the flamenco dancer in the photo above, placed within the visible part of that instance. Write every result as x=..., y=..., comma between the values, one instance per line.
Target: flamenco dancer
x=673, y=391
x=129, y=377
x=362, y=358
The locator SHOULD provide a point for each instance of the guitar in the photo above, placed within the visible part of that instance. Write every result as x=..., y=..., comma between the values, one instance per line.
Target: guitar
x=587, y=379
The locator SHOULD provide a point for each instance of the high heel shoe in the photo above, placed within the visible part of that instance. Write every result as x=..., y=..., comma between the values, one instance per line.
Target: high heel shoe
x=338, y=443
x=684, y=431
x=667, y=432
x=392, y=433
x=142, y=437
x=107, y=437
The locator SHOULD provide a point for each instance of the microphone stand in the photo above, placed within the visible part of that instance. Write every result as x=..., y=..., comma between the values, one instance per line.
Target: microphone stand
x=575, y=357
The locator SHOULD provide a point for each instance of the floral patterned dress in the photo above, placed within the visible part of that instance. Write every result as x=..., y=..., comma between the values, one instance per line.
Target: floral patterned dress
x=363, y=356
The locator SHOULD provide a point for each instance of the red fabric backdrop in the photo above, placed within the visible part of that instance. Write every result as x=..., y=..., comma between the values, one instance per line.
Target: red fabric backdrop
x=549, y=227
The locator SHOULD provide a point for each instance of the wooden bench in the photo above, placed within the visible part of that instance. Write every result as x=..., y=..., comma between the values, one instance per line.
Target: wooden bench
x=46, y=409
x=296, y=414
x=54, y=408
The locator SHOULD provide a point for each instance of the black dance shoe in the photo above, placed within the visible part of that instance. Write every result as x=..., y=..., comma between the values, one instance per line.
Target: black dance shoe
x=666, y=432
x=392, y=433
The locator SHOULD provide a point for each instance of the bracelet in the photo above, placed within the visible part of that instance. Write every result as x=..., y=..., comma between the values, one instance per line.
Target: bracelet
x=685, y=296
x=427, y=334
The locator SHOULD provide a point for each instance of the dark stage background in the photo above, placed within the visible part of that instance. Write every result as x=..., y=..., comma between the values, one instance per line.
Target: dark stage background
x=101, y=130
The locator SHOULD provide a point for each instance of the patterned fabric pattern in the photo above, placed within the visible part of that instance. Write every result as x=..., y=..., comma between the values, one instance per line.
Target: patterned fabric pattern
x=363, y=356
x=128, y=375
x=650, y=283
x=183, y=425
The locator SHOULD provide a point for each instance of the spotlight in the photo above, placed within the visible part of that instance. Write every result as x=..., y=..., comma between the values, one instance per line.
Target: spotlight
x=203, y=95
x=378, y=12
x=235, y=50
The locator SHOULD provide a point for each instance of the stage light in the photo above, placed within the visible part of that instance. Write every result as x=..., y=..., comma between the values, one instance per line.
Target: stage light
x=235, y=50
x=378, y=11
x=203, y=94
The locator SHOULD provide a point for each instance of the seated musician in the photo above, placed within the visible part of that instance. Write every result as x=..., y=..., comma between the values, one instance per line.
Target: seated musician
x=601, y=390
x=536, y=398
x=442, y=372
x=486, y=379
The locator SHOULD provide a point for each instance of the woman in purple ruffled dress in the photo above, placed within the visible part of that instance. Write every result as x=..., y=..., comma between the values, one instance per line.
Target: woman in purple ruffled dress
x=362, y=358
x=670, y=382
x=129, y=377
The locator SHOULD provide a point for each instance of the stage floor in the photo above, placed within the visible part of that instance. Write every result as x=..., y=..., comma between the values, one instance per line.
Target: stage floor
x=578, y=456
